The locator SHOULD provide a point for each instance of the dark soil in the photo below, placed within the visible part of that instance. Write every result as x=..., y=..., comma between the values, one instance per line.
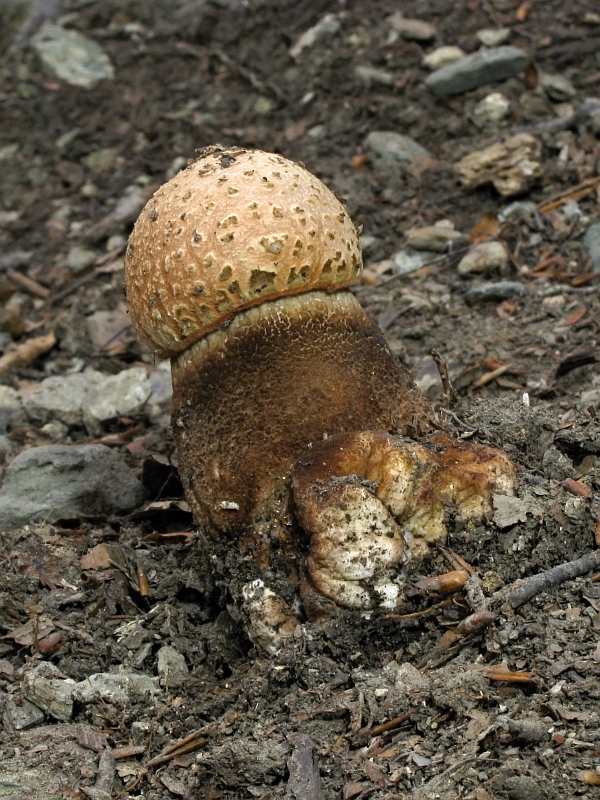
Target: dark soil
x=389, y=708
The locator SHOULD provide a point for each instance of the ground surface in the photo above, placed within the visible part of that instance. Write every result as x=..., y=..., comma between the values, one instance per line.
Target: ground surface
x=206, y=72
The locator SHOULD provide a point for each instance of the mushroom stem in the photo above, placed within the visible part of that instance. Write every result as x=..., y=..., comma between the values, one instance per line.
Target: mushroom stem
x=251, y=397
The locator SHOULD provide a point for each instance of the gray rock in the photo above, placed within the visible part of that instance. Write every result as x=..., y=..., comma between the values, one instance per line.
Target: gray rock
x=591, y=242
x=478, y=69
x=90, y=398
x=106, y=327
x=394, y=149
x=493, y=37
x=79, y=259
x=412, y=29
x=99, y=161
x=21, y=717
x=501, y=290
x=124, y=394
x=171, y=667
x=437, y=238
x=510, y=510
x=60, y=481
x=406, y=261
x=5, y=446
x=373, y=75
x=9, y=398
x=519, y=207
x=46, y=687
x=484, y=257
x=492, y=108
x=326, y=27
x=521, y=787
x=60, y=398
x=114, y=688
x=72, y=57
x=442, y=56
x=10, y=408
x=162, y=390
x=557, y=87
x=595, y=120
x=557, y=465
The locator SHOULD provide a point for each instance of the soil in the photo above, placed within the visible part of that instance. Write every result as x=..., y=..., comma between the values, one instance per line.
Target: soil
x=389, y=706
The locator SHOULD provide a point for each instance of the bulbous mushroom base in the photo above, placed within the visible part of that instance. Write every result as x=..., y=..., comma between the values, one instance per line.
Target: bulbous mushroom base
x=371, y=504
x=252, y=397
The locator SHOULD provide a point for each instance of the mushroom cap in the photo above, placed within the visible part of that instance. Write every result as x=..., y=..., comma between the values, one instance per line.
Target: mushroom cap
x=234, y=228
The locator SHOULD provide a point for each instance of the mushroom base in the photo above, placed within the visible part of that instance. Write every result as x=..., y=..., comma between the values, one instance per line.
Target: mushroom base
x=371, y=504
x=252, y=397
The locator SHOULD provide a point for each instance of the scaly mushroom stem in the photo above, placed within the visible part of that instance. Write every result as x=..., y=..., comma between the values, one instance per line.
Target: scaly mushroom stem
x=251, y=397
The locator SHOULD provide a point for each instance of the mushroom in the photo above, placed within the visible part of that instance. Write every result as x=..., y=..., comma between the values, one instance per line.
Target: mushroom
x=238, y=270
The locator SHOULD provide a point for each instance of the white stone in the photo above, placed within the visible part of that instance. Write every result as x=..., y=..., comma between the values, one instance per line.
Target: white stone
x=484, y=257
x=442, y=56
x=493, y=37
x=492, y=108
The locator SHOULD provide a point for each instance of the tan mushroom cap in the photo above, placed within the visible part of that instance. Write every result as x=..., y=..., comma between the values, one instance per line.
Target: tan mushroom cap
x=235, y=228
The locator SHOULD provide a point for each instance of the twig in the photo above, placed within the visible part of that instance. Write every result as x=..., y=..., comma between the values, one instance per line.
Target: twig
x=72, y=287
x=459, y=251
x=450, y=394
x=553, y=577
x=187, y=745
x=488, y=377
x=457, y=421
x=27, y=283
x=448, y=601
x=585, y=187
x=393, y=723
x=501, y=673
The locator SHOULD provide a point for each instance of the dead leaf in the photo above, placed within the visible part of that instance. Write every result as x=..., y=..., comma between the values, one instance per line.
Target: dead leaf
x=90, y=739
x=487, y=228
x=358, y=161
x=479, y=722
x=31, y=631
x=523, y=11
x=96, y=558
x=574, y=318
x=375, y=774
x=352, y=789
x=296, y=130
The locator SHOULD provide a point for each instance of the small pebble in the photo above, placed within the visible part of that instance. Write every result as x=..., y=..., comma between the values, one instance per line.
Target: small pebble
x=79, y=259
x=326, y=27
x=442, y=57
x=372, y=75
x=415, y=29
x=478, y=69
x=406, y=261
x=501, y=290
x=393, y=149
x=591, y=243
x=557, y=87
x=492, y=108
x=440, y=239
x=484, y=257
x=493, y=37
